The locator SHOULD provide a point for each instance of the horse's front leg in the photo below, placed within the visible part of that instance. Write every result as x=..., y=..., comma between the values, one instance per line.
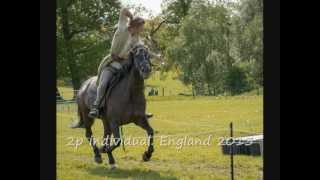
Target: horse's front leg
x=107, y=142
x=144, y=124
x=106, y=136
x=116, y=134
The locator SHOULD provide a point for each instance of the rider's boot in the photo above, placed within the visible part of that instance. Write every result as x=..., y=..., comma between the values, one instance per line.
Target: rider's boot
x=94, y=111
x=105, y=77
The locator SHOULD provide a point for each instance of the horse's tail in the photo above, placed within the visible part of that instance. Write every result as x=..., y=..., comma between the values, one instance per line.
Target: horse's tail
x=80, y=123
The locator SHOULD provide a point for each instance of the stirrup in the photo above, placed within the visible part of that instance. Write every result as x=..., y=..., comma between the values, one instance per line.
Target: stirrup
x=94, y=113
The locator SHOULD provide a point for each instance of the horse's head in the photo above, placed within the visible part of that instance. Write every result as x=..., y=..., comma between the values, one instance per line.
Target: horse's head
x=141, y=60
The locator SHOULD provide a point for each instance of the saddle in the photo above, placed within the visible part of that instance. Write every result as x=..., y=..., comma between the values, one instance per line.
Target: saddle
x=118, y=75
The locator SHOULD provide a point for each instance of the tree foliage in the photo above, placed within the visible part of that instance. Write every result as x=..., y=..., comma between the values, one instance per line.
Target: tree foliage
x=84, y=32
x=214, y=45
x=215, y=39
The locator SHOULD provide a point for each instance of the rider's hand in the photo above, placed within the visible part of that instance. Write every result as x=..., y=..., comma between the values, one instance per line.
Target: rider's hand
x=128, y=13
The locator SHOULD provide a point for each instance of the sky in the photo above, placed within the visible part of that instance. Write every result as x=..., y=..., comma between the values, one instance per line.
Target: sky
x=154, y=6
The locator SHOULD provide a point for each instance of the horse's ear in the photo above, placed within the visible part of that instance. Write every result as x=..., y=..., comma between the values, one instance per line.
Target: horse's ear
x=136, y=51
x=133, y=50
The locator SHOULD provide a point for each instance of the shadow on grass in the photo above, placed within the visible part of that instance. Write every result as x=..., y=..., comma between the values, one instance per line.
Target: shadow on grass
x=128, y=173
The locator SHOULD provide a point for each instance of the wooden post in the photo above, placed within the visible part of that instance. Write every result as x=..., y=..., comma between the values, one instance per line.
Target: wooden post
x=193, y=93
x=163, y=91
x=231, y=154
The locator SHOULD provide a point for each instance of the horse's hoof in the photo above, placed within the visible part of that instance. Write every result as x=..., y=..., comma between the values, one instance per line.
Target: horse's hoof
x=149, y=115
x=146, y=157
x=98, y=159
x=113, y=166
x=78, y=124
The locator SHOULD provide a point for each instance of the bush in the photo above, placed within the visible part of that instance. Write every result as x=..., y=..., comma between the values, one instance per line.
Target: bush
x=236, y=81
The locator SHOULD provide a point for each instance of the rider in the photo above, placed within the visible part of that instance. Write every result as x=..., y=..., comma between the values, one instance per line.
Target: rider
x=124, y=39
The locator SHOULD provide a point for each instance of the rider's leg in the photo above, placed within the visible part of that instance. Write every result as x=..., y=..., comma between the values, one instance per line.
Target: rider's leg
x=105, y=77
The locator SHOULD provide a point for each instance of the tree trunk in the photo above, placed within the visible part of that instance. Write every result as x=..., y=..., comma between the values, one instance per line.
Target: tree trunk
x=193, y=92
x=74, y=70
x=209, y=89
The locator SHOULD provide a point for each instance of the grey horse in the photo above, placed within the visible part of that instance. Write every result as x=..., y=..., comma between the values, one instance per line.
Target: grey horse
x=124, y=104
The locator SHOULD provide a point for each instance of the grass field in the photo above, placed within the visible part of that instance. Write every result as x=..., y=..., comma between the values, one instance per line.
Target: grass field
x=167, y=80
x=173, y=115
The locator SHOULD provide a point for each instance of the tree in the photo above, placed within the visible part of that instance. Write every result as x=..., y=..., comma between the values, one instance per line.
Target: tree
x=175, y=10
x=236, y=81
x=214, y=45
x=248, y=27
x=201, y=49
x=79, y=33
x=215, y=72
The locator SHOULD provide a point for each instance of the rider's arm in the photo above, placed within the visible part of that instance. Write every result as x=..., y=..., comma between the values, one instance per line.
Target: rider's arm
x=123, y=19
x=121, y=33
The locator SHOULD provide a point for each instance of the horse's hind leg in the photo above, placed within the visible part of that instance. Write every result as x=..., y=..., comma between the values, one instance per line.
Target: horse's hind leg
x=144, y=124
x=97, y=155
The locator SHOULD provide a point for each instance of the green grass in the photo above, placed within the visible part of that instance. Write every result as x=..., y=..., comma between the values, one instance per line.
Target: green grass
x=172, y=115
x=254, y=92
x=66, y=92
x=168, y=81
